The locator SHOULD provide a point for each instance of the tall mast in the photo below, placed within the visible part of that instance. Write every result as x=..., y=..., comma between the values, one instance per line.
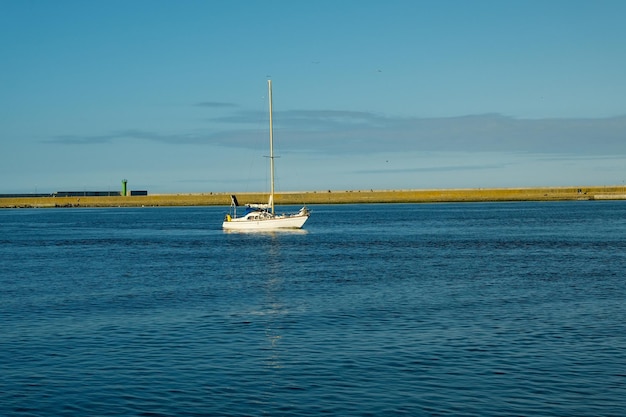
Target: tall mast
x=269, y=87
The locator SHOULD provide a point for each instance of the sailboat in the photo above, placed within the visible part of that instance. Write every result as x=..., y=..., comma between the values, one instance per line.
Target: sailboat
x=263, y=216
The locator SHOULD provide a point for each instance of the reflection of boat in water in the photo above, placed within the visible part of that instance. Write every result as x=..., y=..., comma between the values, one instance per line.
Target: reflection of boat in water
x=263, y=216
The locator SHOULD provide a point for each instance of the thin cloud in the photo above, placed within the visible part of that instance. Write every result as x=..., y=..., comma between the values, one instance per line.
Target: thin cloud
x=364, y=133
x=80, y=140
x=446, y=168
x=347, y=132
x=241, y=117
x=216, y=104
x=130, y=134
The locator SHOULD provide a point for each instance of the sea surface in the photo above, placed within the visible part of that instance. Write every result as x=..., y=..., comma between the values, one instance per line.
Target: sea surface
x=495, y=309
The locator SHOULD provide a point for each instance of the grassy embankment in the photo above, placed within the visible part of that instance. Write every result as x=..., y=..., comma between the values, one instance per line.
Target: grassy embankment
x=333, y=197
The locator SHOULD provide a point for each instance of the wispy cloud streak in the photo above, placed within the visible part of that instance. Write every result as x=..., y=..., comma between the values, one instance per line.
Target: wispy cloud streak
x=216, y=104
x=362, y=132
x=340, y=132
x=443, y=168
x=130, y=134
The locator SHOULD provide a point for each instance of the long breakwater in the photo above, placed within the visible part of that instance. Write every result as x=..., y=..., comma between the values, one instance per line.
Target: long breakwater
x=330, y=197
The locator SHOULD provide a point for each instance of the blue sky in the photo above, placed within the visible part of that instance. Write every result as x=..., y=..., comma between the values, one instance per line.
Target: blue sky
x=172, y=95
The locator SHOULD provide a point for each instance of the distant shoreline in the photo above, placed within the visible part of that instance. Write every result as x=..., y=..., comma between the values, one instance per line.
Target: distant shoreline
x=332, y=197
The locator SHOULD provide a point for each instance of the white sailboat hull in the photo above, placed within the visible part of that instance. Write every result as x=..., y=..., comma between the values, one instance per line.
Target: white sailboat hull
x=277, y=222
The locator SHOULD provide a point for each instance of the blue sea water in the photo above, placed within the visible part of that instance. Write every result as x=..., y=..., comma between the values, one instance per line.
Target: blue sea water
x=497, y=309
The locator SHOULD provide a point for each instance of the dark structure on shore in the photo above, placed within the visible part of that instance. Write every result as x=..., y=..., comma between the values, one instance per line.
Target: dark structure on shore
x=85, y=193
x=75, y=194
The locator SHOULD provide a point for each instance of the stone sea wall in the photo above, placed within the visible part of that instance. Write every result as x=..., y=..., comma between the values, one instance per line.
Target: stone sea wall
x=332, y=197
